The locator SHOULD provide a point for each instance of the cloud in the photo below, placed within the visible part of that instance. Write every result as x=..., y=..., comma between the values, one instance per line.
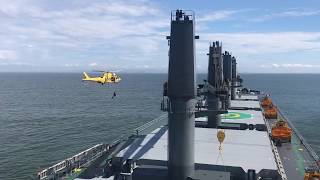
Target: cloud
x=93, y=64
x=291, y=13
x=255, y=51
x=129, y=34
x=35, y=9
x=276, y=65
x=71, y=65
x=263, y=43
x=296, y=65
x=263, y=66
x=81, y=30
x=15, y=64
x=103, y=20
x=8, y=55
x=217, y=15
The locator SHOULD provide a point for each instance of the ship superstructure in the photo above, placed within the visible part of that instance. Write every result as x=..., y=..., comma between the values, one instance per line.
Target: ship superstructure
x=215, y=130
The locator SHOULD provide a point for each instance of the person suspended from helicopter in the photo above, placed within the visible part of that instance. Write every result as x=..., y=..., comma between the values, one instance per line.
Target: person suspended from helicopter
x=114, y=95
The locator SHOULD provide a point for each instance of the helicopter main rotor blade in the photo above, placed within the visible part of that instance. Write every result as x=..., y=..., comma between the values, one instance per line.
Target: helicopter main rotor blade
x=115, y=71
x=98, y=71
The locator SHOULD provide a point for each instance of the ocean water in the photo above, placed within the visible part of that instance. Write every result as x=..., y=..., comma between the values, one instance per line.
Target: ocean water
x=46, y=117
x=298, y=97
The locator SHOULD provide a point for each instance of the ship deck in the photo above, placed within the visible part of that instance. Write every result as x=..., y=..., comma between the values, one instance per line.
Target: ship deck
x=245, y=149
x=295, y=156
x=241, y=150
x=292, y=157
x=152, y=149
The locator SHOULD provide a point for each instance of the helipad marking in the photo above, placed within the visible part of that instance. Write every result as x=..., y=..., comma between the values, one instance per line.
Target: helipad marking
x=236, y=115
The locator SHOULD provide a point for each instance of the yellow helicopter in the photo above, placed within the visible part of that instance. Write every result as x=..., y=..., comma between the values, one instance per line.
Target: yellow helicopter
x=105, y=78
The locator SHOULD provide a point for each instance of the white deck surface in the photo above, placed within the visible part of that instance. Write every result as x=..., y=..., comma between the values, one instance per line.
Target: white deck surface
x=248, y=104
x=247, y=149
x=97, y=178
x=251, y=97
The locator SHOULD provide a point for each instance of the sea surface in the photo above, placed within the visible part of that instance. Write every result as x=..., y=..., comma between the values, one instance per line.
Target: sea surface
x=46, y=117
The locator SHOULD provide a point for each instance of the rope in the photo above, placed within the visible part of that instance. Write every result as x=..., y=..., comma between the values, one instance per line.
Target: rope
x=221, y=136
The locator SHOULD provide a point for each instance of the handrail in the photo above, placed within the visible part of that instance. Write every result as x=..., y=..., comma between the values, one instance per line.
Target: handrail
x=189, y=13
x=100, y=148
x=79, y=160
x=149, y=124
x=301, y=138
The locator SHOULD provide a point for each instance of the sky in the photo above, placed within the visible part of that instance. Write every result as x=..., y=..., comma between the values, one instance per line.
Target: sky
x=130, y=35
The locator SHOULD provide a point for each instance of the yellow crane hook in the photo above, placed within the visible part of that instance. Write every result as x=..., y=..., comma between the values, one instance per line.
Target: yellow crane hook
x=221, y=135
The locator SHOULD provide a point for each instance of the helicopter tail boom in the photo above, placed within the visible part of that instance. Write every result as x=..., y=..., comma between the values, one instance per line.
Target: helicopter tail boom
x=85, y=76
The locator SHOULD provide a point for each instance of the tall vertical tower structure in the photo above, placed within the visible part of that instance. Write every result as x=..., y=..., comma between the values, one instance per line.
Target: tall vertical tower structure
x=215, y=80
x=234, y=80
x=181, y=94
x=227, y=74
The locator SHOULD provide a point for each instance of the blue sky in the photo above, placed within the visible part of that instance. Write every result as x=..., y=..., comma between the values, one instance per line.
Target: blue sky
x=81, y=35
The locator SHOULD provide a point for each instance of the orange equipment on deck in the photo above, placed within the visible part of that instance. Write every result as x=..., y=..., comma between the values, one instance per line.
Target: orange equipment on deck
x=270, y=112
x=266, y=102
x=281, y=132
x=311, y=175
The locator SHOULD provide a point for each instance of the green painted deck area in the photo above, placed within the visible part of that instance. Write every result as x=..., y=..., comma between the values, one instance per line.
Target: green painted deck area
x=236, y=115
x=295, y=157
x=74, y=175
x=298, y=151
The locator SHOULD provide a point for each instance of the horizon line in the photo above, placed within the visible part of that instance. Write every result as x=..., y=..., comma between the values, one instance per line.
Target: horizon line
x=70, y=72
